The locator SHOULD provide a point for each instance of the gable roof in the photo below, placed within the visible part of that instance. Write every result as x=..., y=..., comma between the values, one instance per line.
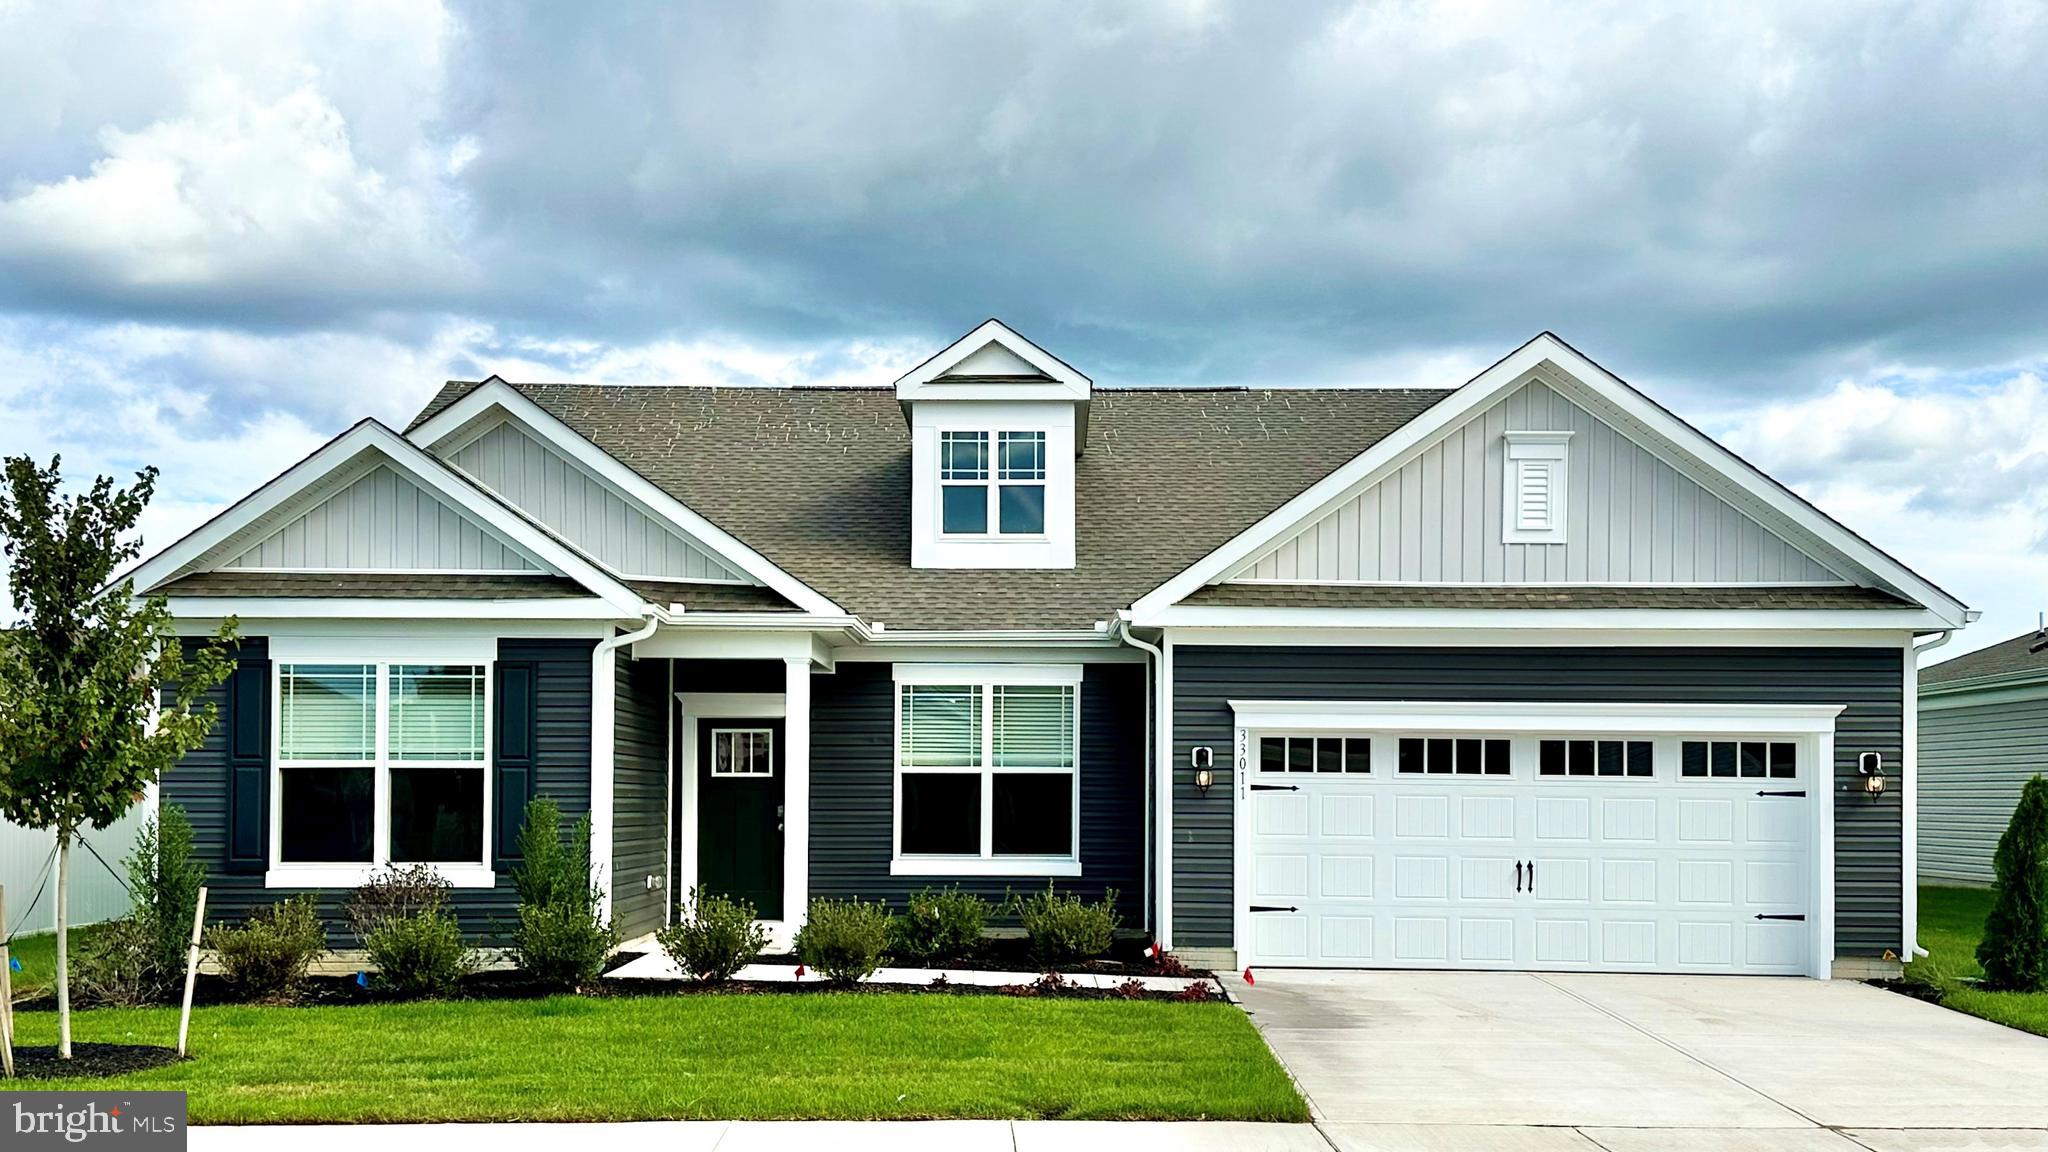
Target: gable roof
x=1743, y=481
x=2007, y=659
x=818, y=481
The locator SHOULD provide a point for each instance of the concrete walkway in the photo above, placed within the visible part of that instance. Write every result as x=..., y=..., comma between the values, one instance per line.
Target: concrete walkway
x=1518, y=1062
x=737, y=1136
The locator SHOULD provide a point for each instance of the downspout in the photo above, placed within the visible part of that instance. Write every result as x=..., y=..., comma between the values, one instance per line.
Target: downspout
x=604, y=703
x=1909, y=816
x=1153, y=657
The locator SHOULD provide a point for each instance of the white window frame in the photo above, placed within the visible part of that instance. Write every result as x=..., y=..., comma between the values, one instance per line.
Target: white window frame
x=1528, y=454
x=347, y=874
x=992, y=481
x=733, y=730
x=986, y=678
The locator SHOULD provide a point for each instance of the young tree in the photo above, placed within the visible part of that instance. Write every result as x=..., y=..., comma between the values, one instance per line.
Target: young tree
x=97, y=697
x=2014, y=950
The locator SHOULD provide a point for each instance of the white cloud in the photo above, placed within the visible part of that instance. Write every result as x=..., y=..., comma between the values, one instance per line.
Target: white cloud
x=1950, y=476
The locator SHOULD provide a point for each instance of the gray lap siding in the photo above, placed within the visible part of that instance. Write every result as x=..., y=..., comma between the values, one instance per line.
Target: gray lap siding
x=1868, y=681
x=853, y=790
x=199, y=784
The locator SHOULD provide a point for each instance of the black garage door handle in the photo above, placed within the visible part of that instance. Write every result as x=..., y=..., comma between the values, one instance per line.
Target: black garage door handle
x=1801, y=792
x=1779, y=916
x=1276, y=787
x=1272, y=908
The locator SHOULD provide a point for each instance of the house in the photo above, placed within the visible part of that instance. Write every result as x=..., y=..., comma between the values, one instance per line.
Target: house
x=1526, y=673
x=1983, y=735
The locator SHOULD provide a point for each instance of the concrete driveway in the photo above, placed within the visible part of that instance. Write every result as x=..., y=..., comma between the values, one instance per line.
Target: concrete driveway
x=1445, y=1062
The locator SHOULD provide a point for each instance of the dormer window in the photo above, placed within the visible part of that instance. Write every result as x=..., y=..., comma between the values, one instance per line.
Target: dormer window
x=1533, y=504
x=1006, y=500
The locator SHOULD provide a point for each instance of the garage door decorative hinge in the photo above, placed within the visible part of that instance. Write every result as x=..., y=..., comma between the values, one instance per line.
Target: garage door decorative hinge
x=1274, y=908
x=1276, y=787
x=1780, y=916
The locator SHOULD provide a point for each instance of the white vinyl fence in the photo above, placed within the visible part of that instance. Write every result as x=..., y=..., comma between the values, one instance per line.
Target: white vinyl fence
x=96, y=893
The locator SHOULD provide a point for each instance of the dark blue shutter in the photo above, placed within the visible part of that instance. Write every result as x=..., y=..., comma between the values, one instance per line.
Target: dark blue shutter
x=513, y=754
x=248, y=718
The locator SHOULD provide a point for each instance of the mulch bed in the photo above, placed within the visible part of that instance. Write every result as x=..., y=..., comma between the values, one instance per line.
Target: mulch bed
x=1013, y=954
x=90, y=1060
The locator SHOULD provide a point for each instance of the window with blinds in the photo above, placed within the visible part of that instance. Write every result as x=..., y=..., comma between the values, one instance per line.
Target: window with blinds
x=987, y=770
x=407, y=740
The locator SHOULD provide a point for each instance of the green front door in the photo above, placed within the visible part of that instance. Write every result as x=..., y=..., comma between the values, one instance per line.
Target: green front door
x=739, y=812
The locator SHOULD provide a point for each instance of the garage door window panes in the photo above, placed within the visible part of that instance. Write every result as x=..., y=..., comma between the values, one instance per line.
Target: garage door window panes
x=1738, y=759
x=1325, y=754
x=1453, y=756
x=1611, y=758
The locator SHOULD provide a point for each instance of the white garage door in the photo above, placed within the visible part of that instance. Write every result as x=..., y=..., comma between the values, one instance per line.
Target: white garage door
x=1625, y=852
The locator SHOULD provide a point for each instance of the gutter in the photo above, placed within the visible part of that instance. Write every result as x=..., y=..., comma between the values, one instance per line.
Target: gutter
x=1909, y=816
x=1120, y=629
x=604, y=700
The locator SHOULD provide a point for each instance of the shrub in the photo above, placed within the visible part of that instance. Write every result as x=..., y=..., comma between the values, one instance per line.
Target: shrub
x=844, y=941
x=266, y=957
x=713, y=937
x=2014, y=950
x=561, y=938
x=421, y=954
x=398, y=892
x=164, y=876
x=938, y=924
x=115, y=963
x=1063, y=927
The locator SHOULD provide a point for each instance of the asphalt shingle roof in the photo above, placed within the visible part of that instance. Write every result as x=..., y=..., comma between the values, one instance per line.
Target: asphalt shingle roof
x=389, y=585
x=818, y=481
x=2001, y=659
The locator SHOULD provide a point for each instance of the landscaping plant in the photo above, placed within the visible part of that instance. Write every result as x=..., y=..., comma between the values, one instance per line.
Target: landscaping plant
x=1063, y=928
x=402, y=918
x=97, y=695
x=265, y=957
x=562, y=938
x=164, y=876
x=938, y=924
x=713, y=937
x=844, y=941
x=2014, y=950
x=113, y=964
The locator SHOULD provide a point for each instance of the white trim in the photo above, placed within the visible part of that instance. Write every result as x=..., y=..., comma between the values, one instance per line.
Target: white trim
x=356, y=875
x=419, y=467
x=1552, y=451
x=359, y=607
x=1163, y=797
x=796, y=791
x=698, y=706
x=495, y=392
x=273, y=571
x=1290, y=582
x=1812, y=724
x=1510, y=372
x=1048, y=866
x=1909, y=804
x=919, y=382
x=1492, y=621
x=987, y=674
x=1535, y=716
x=1325, y=637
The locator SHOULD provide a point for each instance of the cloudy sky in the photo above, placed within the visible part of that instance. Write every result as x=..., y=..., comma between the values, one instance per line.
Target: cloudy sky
x=1819, y=231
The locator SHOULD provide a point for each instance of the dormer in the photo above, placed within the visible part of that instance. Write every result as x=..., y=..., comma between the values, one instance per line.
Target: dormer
x=995, y=425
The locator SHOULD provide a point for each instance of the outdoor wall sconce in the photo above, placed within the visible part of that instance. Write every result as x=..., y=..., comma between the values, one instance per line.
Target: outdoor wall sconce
x=1204, y=761
x=1871, y=764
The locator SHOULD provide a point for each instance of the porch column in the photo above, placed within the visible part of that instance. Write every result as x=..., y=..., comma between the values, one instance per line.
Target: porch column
x=796, y=791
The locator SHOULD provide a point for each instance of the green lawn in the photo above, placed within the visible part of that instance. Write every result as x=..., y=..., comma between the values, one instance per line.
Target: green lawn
x=38, y=956
x=1951, y=921
x=843, y=1056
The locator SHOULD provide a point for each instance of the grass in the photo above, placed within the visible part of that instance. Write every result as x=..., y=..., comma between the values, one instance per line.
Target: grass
x=813, y=1056
x=1951, y=923
x=38, y=956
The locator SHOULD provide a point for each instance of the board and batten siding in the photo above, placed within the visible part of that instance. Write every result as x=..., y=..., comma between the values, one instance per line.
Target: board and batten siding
x=587, y=512
x=853, y=787
x=1868, y=681
x=383, y=521
x=1974, y=760
x=1629, y=517
x=199, y=784
x=639, y=795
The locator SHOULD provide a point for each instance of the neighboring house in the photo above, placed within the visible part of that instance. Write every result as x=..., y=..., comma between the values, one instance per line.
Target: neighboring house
x=99, y=883
x=1526, y=673
x=1983, y=735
